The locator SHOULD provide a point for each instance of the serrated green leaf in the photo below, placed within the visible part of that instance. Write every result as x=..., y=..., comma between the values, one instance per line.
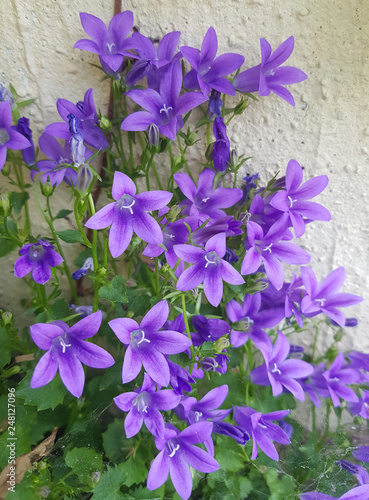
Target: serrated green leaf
x=18, y=200
x=62, y=214
x=116, y=445
x=48, y=396
x=70, y=236
x=109, y=485
x=6, y=246
x=230, y=456
x=115, y=290
x=136, y=472
x=84, y=462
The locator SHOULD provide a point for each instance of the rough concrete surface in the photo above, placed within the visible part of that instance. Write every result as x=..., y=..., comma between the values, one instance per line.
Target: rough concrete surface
x=327, y=131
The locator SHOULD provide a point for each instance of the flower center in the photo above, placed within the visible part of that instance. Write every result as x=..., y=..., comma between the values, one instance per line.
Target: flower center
x=209, y=364
x=138, y=336
x=126, y=202
x=166, y=110
x=109, y=46
x=211, y=258
x=198, y=415
x=172, y=447
x=268, y=248
x=36, y=252
x=276, y=369
x=63, y=343
x=320, y=302
x=291, y=201
x=140, y=403
x=4, y=136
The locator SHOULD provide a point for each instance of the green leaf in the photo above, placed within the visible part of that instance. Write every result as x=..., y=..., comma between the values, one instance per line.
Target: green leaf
x=136, y=471
x=230, y=456
x=62, y=214
x=139, y=303
x=5, y=347
x=6, y=246
x=116, y=445
x=48, y=396
x=60, y=309
x=84, y=462
x=18, y=200
x=115, y=290
x=109, y=485
x=70, y=236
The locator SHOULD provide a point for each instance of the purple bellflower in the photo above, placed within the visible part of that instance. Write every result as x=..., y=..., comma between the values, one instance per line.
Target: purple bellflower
x=268, y=76
x=77, y=148
x=292, y=200
x=221, y=155
x=269, y=250
x=23, y=128
x=111, y=43
x=209, y=268
x=357, y=493
x=67, y=350
x=88, y=265
x=6, y=95
x=164, y=108
x=253, y=320
x=39, y=258
x=261, y=429
x=180, y=379
x=280, y=372
x=53, y=169
x=204, y=201
x=324, y=297
x=129, y=213
x=10, y=137
x=361, y=408
x=336, y=377
x=177, y=453
x=215, y=105
x=358, y=471
x=147, y=345
x=208, y=329
x=208, y=71
x=152, y=61
x=362, y=453
x=85, y=112
x=227, y=225
x=144, y=405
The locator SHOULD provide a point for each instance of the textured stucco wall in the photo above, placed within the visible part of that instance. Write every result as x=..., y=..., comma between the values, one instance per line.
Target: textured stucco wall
x=327, y=131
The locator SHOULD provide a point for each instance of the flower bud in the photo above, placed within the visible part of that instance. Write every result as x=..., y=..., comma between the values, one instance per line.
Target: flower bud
x=241, y=106
x=47, y=189
x=233, y=158
x=84, y=180
x=220, y=344
x=154, y=135
x=5, y=205
x=173, y=213
x=7, y=318
x=105, y=124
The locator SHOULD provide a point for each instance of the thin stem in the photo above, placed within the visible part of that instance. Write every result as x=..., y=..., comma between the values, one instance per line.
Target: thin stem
x=208, y=134
x=183, y=297
x=94, y=257
x=157, y=276
x=131, y=157
x=184, y=159
x=79, y=225
x=156, y=175
x=20, y=177
x=40, y=289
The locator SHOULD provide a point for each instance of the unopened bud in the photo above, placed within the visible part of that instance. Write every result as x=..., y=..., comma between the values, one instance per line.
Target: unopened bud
x=84, y=180
x=95, y=477
x=105, y=124
x=173, y=213
x=220, y=344
x=5, y=205
x=241, y=106
x=177, y=164
x=153, y=135
x=234, y=158
x=47, y=189
x=7, y=318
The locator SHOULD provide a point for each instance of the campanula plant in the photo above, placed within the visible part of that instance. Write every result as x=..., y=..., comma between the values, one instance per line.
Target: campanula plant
x=170, y=300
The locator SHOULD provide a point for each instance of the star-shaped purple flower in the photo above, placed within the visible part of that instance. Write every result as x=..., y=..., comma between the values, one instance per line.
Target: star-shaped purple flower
x=357, y=493
x=129, y=213
x=209, y=268
x=177, y=453
x=268, y=76
x=147, y=345
x=39, y=258
x=10, y=138
x=109, y=43
x=66, y=351
x=325, y=297
x=145, y=405
x=292, y=200
x=208, y=71
x=164, y=109
x=280, y=372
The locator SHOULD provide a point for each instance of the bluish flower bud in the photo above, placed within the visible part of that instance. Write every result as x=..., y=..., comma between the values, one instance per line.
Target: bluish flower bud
x=221, y=155
x=215, y=105
x=139, y=70
x=154, y=135
x=24, y=129
x=6, y=95
x=88, y=265
x=84, y=179
x=230, y=256
x=77, y=148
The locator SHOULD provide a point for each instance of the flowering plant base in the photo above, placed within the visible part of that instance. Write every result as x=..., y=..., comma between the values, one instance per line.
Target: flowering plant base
x=165, y=367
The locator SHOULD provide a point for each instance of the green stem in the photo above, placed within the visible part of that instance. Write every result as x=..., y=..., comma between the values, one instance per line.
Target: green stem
x=156, y=176
x=41, y=295
x=157, y=276
x=313, y=413
x=184, y=159
x=79, y=225
x=21, y=183
x=183, y=297
x=131, y=158
x=208, y=134
x=315, y=341
x=106, y=254
x=94, y=257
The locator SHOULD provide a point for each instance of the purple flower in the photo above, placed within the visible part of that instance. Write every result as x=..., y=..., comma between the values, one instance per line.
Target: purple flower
x=269, y=250
x=67, y=350
x=358, y=471
x=10, y=138
x=361, y=408
x=128, y=214
x=209, y=268
x=6, y=95
x=292, y=200
x=207, y=70
x=216, y=364
x=261, y=429
x=362, y=453
x=268, y=76
x=109, y=43
x=227, y=225
x=280, y=372
x=336, y=379
x=206, y=202
x=215, y=105
x=253, y=320
x=147, y=345
x=164, y=108
x=87, y=266
x=39, y=258
x=357, y=493
x=177, y=453
x=221, y=155
x=208, y=329
x=24, y=129
x=180, y=379
x=145, y=405
x=78, y=149
x=324, y=297
x=85, y=112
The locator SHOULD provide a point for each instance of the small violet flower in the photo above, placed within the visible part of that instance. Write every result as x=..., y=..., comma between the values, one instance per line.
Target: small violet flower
x=177, y=453
x=208, y=71
x=147, y=345
x=129, y=213
x=39, y=258
x=66, y=351
x=23, y=128
x=10, y=137
x=209, y=268
x=268, y=76
x=221, y=155
x=358, y=471
x=88, y=265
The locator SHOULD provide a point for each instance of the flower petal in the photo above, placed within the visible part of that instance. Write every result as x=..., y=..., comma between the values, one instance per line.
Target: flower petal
x=72, y=374
x=45, y=371
x=131, y=365
x=155, y=318
x=103, y=218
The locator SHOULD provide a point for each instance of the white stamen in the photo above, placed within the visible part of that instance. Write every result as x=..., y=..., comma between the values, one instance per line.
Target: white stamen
x=321, y=301
x=262, y=426
x=143, y=338
x=205, y=199
x=208, y=262
x=165, y=109
x=110, y=46
x=174, y=451
x=276, y=369
x=198, y=414
x=35, y=253
x=291, y=201
x=268, y=248
x=129, y=206
x=171, y=236
x=64, y=345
